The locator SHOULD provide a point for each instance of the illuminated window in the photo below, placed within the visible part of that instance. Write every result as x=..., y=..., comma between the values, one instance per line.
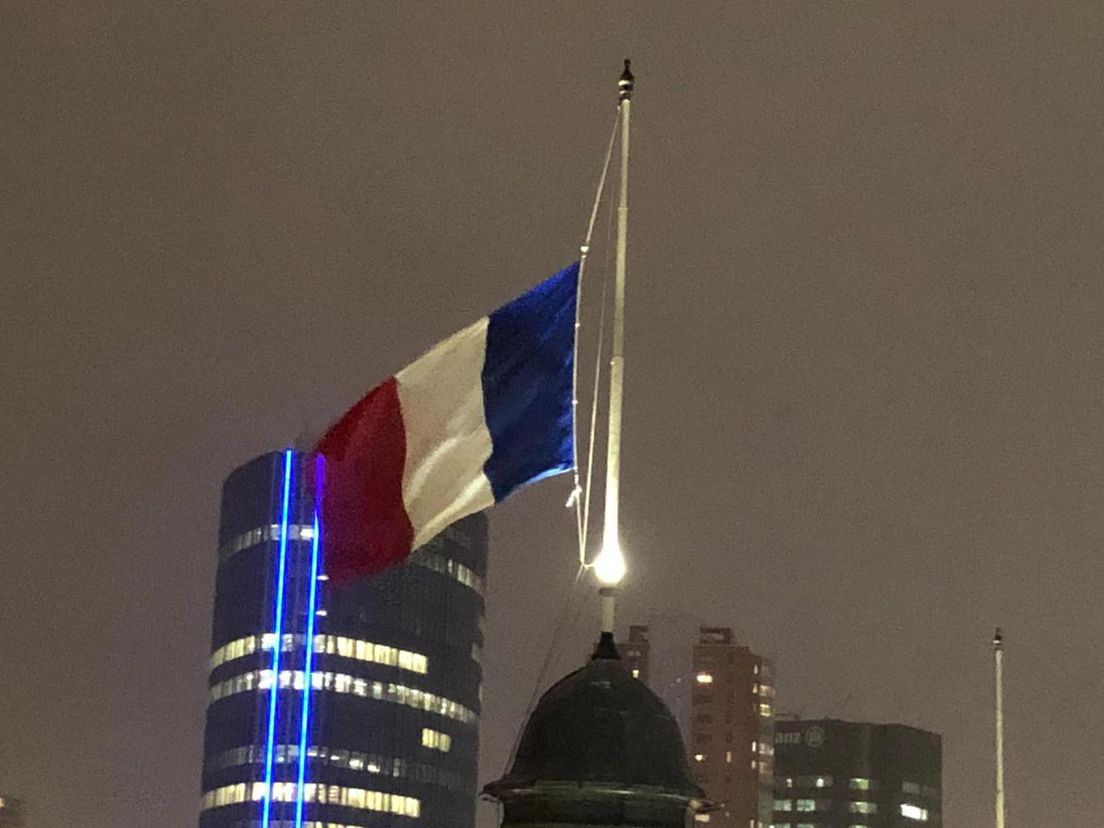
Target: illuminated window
x=345, y=683
x=914, y=812
x=636, y=675
x=805, y=805
x=330, y=644
x=699, y=757
x=446, y=566
x=367, y=763
x=705, y=678
x=305, y=532
x=765, y=710
x=859, y=784
x=436, y=739
x=823, y=781
x=783, y=804
x=359, y=798
x=862, y=807
x=262, y=534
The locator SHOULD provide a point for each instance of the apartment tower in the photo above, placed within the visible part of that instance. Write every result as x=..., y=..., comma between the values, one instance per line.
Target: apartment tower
x=722, y=696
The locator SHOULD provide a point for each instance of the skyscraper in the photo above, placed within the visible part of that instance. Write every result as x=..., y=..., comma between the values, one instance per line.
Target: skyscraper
x=721, y=694
x=835, y=774
x=354, y=706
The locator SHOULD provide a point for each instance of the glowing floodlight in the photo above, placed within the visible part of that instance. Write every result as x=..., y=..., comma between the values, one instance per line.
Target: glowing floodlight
x=609, y=566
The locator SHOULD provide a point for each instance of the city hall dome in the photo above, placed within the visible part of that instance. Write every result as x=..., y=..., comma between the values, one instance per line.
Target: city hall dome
x=599, y=749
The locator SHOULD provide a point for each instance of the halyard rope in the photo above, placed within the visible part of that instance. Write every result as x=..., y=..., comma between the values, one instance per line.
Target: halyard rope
x=580, y=497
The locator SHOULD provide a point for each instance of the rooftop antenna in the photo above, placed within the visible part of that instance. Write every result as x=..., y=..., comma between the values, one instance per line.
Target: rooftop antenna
x=998, y=667
x=609, y=566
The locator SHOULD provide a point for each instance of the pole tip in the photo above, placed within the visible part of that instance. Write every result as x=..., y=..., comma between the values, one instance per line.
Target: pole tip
x=625, y=83
x=998, y=639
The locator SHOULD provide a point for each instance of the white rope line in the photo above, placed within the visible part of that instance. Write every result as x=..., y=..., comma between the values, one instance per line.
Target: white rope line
x=567, y=617
x=582, y=510
x=581, y=504
x=598, y=360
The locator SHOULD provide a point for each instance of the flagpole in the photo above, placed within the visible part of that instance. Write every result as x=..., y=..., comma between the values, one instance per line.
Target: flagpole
x=998, y=669
x=610, y=564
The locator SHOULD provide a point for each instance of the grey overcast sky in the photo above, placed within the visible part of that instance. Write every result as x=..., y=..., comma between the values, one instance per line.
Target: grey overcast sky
x=865, y=402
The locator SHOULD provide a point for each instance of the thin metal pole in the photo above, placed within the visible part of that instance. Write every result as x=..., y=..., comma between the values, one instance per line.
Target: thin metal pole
x=998, y=666
x=610, y=535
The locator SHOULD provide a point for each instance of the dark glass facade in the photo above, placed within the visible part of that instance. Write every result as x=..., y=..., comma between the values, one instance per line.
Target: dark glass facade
x=835, y=774
x=389, y=674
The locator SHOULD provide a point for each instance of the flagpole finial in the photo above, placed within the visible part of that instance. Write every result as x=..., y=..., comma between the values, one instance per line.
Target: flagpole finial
x=625, y=84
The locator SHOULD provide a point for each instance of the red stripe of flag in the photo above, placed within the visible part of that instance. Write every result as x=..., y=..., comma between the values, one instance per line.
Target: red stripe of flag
x=365, y=527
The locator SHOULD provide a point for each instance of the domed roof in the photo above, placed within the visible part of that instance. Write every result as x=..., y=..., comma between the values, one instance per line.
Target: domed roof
x=603, y=729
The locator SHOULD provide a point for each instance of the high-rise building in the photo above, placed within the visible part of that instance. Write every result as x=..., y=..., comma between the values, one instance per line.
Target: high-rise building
x=722, y=696
x=834, y=774
x=355, y=706
x=12, y=814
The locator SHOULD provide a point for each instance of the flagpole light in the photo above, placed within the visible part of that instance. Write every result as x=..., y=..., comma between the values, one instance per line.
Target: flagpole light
x=609, y=566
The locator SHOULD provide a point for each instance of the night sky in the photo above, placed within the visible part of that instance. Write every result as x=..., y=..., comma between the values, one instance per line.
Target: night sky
x=865, y=399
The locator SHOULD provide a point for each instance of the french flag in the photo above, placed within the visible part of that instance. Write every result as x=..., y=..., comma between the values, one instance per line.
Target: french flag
x=480, y=415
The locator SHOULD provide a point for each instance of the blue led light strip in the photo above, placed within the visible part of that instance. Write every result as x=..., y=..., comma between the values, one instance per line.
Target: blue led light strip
x=277, y=624
x=304, y=723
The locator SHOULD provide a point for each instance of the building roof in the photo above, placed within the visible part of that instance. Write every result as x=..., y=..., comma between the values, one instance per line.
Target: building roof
x=600, y=729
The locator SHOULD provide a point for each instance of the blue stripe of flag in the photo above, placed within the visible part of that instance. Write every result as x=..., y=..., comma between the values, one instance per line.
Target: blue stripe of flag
x=527, y=384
